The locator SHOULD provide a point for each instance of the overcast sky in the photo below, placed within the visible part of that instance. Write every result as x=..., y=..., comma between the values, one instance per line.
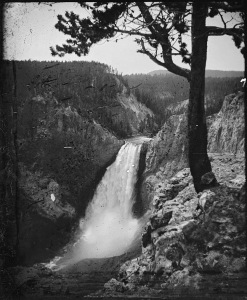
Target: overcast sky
x=29, y=32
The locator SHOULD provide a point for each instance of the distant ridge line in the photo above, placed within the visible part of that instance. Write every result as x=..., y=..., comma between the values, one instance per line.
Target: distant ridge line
x=209, y=73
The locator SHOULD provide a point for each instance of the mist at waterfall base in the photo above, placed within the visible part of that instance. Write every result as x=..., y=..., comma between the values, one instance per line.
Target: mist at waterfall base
x=109, y=227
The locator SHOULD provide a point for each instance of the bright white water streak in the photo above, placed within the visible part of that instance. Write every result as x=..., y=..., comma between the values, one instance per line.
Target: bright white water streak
x=109, y=226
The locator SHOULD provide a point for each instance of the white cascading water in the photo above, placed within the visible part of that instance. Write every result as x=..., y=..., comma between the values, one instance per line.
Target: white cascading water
x=109, y=226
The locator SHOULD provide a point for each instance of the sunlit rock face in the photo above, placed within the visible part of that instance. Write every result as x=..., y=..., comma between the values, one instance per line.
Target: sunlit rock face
x=166, y=154
x=168, y=150
x=178, y=108
x=226, y=133
x=140, y=118
x=128, y=117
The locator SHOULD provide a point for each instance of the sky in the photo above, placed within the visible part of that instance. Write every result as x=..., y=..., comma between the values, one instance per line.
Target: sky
x=29, y=32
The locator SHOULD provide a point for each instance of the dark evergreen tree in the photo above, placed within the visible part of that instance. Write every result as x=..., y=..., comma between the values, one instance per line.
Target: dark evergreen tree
x=159, y=27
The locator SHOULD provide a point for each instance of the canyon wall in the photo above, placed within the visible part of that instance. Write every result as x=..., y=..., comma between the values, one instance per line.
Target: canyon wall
x=127, y=117
x=62, y=156
x=226, y=133
x=177, y=108
x=70, y=128
x=167, y=152
x=192, y=243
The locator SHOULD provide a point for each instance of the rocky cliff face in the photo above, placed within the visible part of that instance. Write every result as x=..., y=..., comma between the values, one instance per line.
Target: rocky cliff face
x=168, y=149
x=212, y=106
x=140, y=118
x=192, y=243
x=178, y=108
x=62, y=156
x=167, y=153
x=127, y=117
x=226, y=128
x=226, y=133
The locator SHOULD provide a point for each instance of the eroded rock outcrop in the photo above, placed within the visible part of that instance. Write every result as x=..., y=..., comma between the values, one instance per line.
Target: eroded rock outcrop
x=226, y=133
x=193, y=242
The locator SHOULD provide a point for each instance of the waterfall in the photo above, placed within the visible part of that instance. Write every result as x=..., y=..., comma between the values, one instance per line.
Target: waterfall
x=109, y=226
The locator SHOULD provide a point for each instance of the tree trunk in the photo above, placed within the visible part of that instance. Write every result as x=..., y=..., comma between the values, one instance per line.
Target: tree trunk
x=197, y=129
x=15, y=158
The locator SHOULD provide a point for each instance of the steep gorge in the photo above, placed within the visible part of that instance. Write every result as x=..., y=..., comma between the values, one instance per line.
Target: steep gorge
x=192, y=243
x=172, y=240
x=68, y=133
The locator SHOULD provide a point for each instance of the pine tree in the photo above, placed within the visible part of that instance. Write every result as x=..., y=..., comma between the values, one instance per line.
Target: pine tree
x=159, y=28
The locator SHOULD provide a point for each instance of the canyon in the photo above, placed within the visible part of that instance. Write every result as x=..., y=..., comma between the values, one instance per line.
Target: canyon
x=187, y=241
x=64, y=154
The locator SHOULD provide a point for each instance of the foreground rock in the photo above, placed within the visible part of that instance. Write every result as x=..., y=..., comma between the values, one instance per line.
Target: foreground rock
x=79, y=280
x=192, y=244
